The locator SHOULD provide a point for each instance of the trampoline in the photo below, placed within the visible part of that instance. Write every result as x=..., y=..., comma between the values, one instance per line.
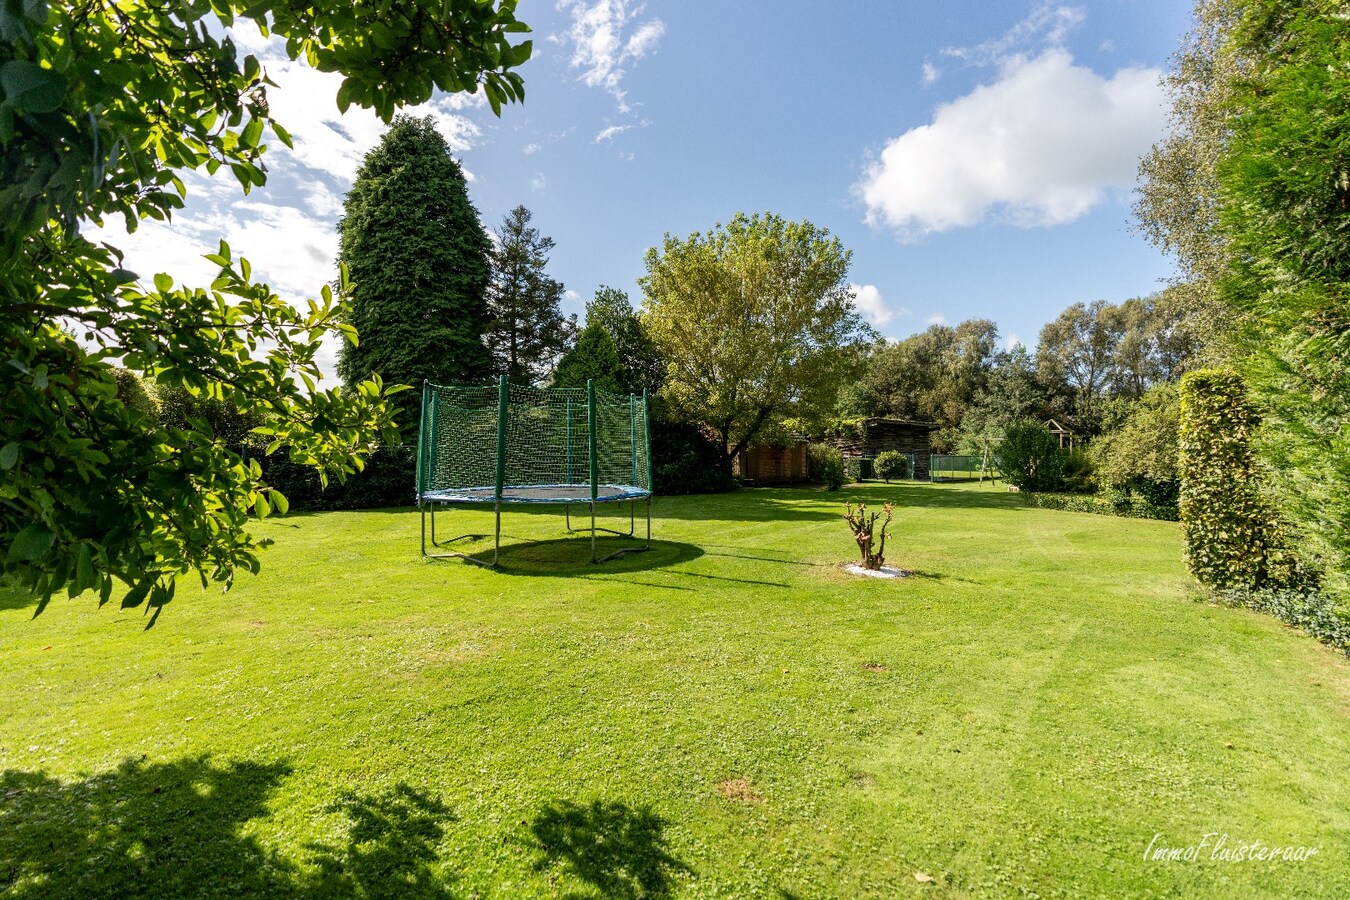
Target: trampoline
x=507, y=444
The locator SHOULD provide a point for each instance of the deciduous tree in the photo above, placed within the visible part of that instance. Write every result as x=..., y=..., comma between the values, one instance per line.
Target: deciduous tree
x=754, y=320
x=103, y=106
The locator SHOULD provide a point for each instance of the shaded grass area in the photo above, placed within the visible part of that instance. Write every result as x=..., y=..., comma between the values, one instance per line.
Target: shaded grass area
x=728, y=714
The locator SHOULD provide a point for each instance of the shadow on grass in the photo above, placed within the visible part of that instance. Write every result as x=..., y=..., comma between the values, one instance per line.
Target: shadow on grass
x=617, y=850
x=12, y=597
x=571, y=557
x=814, y=504
x=176, y=829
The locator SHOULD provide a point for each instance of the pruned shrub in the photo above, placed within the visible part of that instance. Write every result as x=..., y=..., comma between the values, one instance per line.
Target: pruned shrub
x=863, y=527
x=826, y=466
x=891, y=464
x=1030, y=458
x=1233, y=539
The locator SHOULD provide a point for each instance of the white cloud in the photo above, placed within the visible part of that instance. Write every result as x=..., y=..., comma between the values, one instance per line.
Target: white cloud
x=531, y=149
x=867, y=298
x=1012, y=342
x=600, y=47
x=610, y=132
x=931, y=74
x=288, y=228
x=1046, y=25
x=1040, y=146
x=538, y=182
x=936, y=319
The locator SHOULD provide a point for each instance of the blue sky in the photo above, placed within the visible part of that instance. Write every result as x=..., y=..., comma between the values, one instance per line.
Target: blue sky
x=976, y=157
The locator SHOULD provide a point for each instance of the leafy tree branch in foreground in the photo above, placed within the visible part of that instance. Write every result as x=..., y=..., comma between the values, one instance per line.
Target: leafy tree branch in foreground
x=103, y=106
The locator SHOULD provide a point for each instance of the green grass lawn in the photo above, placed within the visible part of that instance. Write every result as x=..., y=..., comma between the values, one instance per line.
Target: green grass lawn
x=727, y=715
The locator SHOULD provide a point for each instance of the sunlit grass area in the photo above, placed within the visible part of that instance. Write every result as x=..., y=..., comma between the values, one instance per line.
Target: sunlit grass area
x=728, y=714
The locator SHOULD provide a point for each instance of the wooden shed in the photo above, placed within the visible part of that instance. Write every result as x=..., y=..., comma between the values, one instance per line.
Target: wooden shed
x=879, y=435
x=772, y=464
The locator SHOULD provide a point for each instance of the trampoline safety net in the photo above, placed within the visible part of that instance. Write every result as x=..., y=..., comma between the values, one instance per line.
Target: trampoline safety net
x=511, y=444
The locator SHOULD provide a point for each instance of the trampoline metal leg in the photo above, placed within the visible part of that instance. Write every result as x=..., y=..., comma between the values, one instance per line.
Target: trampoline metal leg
x=496, y=550
x=624, y=551
x=567, y=518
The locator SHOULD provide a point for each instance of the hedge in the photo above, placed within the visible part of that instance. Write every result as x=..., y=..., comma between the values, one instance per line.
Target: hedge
x=1232, y=536
x=387, y=480
x=1309, y=611
x=1105, y=504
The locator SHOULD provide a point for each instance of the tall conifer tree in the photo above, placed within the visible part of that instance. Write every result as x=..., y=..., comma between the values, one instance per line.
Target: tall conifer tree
x=418, y=260
x=528, y=332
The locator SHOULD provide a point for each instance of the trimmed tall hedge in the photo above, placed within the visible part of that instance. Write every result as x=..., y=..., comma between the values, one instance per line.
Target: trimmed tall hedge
x=1232, y=539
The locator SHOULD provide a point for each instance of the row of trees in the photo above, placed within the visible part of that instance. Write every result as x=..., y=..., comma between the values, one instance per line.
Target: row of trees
x=740, y=328
x=1094, y=366
x=432, y=296
x=1251, y=194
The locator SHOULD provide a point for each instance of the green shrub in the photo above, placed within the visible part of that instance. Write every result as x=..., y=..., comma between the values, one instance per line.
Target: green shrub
x=1139, y=454
x=1029, y=457
x=826, y=466
x=388, y=480
x=1309, y=611
x=1107, y=503
x=1079, y=472
x=891, y=464
x=685, y=461
x=1233, y=539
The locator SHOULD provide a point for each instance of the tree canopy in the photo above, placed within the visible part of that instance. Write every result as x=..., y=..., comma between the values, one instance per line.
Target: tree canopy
x=102, y=108
x=755, y=320
x=643, y=367
x=933, y=376
x=1251, y=193
x=418, y=261
x=527, y=331
x=592, y=358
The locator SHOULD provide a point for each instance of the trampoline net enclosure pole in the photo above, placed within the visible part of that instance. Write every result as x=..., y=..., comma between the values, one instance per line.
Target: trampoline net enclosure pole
x=590, y=420
x=422, y=434
x=503, y=410
x=647, y=440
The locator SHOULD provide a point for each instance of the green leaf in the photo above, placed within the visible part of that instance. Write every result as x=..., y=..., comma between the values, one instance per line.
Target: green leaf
x=280, y=502
x=163, y=283
x=9, y=455
x=136, y=596
x=30, y=87
x=252, y=133
x=84, y=569
x=262, y=507
x=282, y=135
x=30, y=543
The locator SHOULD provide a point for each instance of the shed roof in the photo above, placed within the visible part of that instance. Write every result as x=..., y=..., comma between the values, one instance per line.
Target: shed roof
x=881, y=420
